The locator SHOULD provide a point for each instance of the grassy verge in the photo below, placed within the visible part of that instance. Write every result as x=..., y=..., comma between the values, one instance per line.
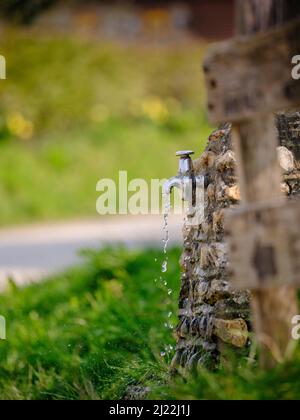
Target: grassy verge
x=73, y=111
x=91, y=332
x=96, y=330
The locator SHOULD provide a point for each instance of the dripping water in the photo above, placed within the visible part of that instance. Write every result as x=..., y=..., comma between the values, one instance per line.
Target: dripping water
x=166, y=238
x=164, y=267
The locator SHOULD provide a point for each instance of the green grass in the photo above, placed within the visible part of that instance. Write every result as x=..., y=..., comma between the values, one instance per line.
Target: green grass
x=92, y=332
x=73, y=111
x=98, y=329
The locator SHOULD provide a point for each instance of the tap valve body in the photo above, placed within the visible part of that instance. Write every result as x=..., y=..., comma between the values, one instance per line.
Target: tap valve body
x=185, y=163
x=191, y=186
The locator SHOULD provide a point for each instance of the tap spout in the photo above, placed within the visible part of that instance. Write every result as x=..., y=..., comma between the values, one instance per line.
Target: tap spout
x=185, y=181
x=175, y=182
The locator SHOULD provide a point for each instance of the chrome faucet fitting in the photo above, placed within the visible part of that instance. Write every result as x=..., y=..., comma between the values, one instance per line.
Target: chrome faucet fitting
x=191, y=186
x=185, y=163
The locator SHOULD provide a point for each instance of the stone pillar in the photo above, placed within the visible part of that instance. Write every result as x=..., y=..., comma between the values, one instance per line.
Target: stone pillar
x=206, y=295
x=211, y=314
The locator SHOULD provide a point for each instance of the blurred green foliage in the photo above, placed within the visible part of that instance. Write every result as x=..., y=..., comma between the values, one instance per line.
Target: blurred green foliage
x=59, y=82
x=73, y=111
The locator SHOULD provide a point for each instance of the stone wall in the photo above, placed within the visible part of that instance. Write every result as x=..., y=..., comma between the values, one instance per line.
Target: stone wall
x=211, y=314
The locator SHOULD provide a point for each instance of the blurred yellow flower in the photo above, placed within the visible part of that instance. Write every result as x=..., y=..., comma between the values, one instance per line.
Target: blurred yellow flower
x=155, y=109
x=19, y=126
x=99, y=114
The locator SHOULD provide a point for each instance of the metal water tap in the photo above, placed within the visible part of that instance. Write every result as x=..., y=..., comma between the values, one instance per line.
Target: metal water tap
x=185, y=181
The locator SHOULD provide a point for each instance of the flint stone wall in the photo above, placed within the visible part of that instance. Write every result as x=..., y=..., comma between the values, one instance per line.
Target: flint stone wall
x=210, y=310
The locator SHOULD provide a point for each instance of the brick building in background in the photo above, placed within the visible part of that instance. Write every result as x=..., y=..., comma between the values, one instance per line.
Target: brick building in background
x=141, y=20
x=209, y=19
x=213, y=19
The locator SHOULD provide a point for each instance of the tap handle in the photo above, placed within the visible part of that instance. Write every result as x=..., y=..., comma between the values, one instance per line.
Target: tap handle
x=185, y=153
x=185, y=163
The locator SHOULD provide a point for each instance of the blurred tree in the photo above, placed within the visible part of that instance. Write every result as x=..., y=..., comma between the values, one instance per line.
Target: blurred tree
x=23, y=11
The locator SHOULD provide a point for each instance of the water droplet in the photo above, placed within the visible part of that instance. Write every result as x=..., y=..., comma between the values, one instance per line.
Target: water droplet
x=169, y=349
x=164, y=267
